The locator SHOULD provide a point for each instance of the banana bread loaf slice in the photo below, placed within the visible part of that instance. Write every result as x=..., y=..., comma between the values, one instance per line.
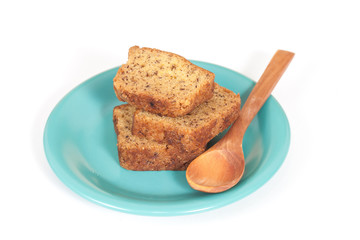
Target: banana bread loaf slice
x=196, y=128
x=162, y=82
x=140, y=154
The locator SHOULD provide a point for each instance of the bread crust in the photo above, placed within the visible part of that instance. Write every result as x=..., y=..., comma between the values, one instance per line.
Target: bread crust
x=163, y=105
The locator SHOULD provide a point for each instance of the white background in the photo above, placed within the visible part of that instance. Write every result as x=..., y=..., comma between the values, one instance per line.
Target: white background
x=49, y=47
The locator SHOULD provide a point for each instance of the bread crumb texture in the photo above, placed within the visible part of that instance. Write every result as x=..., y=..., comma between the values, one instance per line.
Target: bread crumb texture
x=196, y=128
x=141, y=154
x=162, y=82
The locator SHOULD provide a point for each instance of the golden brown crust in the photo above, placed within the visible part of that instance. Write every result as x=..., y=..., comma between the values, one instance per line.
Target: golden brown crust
x=157, y=103
x=163, y=106
x=147, y=102
x=144, y=155
x=166, y=130
x=148, y=160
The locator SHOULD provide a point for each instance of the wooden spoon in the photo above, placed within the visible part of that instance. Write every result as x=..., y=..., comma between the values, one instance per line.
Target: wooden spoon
x=222, y=166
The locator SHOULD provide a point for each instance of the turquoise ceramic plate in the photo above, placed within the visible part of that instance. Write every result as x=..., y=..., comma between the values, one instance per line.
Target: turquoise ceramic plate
x=80, y=145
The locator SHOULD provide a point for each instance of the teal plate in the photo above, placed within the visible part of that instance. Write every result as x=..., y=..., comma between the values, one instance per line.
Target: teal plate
x=80, y=145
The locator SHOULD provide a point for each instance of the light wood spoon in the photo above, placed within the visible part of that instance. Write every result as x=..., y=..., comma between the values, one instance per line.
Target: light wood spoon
x=222, y=166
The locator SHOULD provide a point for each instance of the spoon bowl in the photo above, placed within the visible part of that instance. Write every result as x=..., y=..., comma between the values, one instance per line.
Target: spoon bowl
x=222, y=166
x=215, y=163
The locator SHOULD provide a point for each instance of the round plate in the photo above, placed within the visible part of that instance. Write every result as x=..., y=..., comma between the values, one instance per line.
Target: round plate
x=80, y=145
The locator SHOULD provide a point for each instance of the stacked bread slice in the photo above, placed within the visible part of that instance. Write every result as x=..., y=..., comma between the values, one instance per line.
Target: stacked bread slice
x=174, y=108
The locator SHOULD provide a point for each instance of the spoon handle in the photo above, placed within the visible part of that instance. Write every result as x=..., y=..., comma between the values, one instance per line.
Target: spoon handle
x=261, y=91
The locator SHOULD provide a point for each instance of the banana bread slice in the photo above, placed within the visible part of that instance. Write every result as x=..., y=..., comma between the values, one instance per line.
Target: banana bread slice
x=140, y=154
x=196, y=128
x=162, y=82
